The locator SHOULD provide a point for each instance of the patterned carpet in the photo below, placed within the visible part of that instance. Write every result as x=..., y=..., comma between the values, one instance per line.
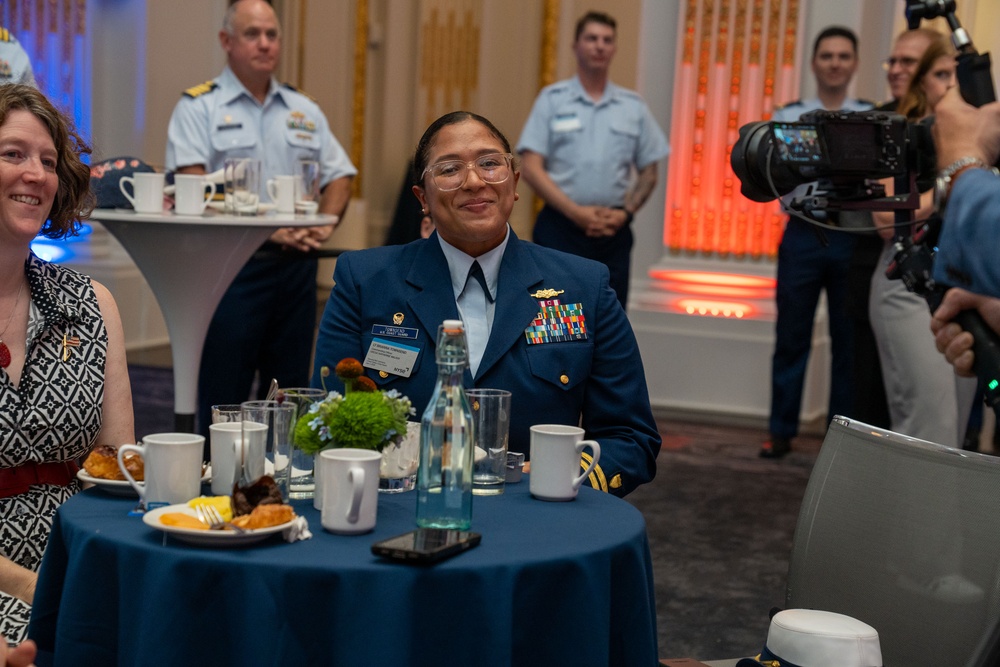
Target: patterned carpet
x=720, y=523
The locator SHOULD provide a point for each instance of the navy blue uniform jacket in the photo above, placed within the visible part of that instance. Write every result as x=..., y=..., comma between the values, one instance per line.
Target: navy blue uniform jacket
x=600, y=379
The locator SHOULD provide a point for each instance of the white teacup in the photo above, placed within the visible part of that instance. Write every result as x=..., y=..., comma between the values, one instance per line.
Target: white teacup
x=350, y=489
x=147, y=191
x=171, y=465
x=192, y=193
x=281, y=190
x=555, y=460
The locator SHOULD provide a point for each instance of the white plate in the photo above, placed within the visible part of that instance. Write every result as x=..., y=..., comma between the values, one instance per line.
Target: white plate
x=208, y=538
x=119, y=487
x=219, y=206
x=115, y=487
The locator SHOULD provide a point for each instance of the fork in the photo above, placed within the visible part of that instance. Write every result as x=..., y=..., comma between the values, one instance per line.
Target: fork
x=209, y=514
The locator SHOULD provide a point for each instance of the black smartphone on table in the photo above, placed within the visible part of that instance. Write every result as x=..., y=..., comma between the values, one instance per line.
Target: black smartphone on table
x=424, y=546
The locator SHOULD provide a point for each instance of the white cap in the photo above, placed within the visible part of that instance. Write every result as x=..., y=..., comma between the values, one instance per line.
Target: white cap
x=814, y=638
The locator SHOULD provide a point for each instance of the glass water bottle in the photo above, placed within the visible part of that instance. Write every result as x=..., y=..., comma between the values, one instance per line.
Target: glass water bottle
x=444, y=478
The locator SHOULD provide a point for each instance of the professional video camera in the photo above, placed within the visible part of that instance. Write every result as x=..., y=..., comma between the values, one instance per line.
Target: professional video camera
x=839, y=152
x=842, y=155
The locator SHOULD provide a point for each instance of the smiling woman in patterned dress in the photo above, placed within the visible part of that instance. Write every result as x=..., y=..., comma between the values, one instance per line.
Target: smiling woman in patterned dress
x=63, y=378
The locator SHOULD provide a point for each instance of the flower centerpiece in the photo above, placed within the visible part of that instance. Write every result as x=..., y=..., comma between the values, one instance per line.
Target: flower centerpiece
x=362, y=417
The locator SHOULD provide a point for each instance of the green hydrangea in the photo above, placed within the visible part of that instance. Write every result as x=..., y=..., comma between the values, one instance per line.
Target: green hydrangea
x=361, y=420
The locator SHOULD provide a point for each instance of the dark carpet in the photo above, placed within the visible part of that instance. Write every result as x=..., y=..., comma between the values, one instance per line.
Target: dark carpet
x=720, y=523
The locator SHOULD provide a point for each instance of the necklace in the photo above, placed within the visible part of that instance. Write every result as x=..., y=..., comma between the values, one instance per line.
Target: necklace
x=4, y=350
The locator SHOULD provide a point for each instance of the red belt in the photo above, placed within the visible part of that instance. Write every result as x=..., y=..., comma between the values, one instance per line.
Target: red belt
x=14, y=481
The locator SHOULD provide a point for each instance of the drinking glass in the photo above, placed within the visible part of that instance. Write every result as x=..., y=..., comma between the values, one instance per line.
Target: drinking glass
x=301, y=476
x=267, y=434
x=307, y=188
x=242, y=182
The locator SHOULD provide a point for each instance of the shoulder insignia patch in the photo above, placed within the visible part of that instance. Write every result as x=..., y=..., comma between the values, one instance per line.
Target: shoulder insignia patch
x=300, y=92
x=200, y=89
x=790, y=104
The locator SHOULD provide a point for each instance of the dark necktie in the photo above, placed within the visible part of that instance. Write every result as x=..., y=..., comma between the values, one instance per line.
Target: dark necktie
x=475, y=296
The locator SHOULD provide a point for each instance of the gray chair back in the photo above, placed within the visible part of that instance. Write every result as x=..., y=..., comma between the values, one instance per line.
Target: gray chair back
x=904, y=535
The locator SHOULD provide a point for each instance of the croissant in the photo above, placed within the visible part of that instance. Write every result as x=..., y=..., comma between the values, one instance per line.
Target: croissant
x=102, y=463
x=265, y=516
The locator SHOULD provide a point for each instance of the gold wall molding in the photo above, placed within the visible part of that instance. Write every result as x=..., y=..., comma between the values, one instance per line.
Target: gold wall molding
x=449, y=55
x=360, y=87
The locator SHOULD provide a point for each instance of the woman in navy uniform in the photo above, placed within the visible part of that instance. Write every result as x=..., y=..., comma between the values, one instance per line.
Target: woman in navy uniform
x=577, y=364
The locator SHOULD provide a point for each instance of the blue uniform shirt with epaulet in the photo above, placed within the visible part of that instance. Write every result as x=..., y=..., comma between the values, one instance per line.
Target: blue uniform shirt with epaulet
x=590, y=148
x=790, y=112
x=220, y=119
x=15, y=67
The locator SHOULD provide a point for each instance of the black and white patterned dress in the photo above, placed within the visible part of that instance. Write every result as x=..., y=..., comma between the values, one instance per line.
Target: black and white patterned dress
x=54, y=415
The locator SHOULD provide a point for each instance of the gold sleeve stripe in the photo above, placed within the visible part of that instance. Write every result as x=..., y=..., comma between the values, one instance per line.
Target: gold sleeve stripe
x=597, y=479
x=201, y=89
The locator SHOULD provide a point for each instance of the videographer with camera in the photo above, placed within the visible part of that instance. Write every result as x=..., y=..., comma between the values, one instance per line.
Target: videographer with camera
x=968, y=144
x=810, y=262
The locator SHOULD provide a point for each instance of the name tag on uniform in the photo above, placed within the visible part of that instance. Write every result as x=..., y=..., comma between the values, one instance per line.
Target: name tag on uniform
x=391, y=356
x=566, y=123
x=395, y=332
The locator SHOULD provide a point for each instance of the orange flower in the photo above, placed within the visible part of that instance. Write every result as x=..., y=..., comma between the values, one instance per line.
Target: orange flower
x=364, y=384
x=348, y=369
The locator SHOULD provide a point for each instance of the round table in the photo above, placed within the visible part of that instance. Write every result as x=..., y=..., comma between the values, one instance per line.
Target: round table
x=189, y=261
x=551, y=583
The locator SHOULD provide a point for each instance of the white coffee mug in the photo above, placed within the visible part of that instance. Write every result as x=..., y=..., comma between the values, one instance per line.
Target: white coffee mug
x=171, y=466
x=192, y=193
x=555, y=460
x=350, y=490
x=281, y=190
x=147, y=191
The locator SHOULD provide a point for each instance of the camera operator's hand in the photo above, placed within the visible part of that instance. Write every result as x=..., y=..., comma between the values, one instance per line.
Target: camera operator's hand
x=954, y=343
x=962, y=130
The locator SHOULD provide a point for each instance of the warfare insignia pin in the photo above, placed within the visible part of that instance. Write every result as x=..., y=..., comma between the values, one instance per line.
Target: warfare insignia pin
x=397, y=319
x=546, y=293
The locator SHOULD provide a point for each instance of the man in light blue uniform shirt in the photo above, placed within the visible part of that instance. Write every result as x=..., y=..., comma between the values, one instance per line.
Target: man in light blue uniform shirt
x=15, y=66
x=590, y=149
x=264, y=324
x=809, y=262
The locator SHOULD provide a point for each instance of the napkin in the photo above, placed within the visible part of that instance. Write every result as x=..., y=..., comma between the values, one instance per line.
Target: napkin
x=299, y=530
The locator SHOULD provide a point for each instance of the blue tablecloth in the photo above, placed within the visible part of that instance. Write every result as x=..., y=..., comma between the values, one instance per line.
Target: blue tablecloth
x=551, y=584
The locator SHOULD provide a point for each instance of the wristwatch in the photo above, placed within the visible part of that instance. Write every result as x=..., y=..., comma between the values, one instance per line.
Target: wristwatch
x=947, y=176
x=628, y=215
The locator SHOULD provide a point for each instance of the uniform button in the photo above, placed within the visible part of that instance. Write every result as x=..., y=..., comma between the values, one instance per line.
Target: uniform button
x=383, y=374
x=564, y=379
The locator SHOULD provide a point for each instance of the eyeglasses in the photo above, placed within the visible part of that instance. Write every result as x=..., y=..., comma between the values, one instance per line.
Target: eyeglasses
x=450, y=175
x=905, y=62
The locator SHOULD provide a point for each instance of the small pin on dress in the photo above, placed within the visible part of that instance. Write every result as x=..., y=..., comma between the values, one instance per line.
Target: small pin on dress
x=4, y=350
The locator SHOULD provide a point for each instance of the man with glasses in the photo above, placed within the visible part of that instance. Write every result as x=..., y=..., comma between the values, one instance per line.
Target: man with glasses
x=590, y=149
x=265, y=322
